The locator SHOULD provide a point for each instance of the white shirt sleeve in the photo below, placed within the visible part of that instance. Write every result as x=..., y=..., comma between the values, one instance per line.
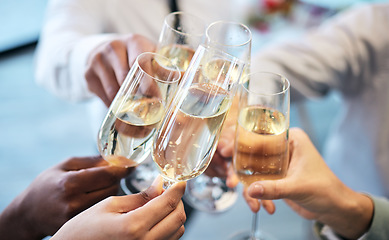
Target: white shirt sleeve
x=342, y=54
x=71, y=30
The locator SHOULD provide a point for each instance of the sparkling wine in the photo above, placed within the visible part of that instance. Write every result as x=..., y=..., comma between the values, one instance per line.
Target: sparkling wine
x=262, y=145
x=187, y=140
x=212, y=71
x=180, y=55
x=126, y=134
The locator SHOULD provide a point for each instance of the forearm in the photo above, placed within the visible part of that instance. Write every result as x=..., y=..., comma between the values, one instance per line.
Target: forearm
x=15, y=225
x=72, y=28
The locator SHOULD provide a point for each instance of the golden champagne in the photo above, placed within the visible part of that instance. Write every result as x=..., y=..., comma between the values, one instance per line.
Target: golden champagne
x=126, y=134
x=262, y=145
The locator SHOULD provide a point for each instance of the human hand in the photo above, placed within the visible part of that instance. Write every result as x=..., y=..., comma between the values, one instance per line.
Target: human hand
x=60, y=193
x=313, y=191
x=152, y=214
x=109, y=63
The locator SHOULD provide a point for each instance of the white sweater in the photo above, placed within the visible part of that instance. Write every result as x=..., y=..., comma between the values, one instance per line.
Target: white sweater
x=349, y=54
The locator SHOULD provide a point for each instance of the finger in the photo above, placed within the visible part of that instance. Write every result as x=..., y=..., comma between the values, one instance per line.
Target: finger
x=77, y=163
x=269, y=206
x=106, y=74
x=178, y=234
x=253, y=203
x=96, y=178
x=128, y=203
x=274, y=189
x=226, y=143
x=95, y=86
x=137, y=44
x=86, y=200
x=232, y=177
x=218, y=166
x=226, y=148
x=119, y=60
x=167, y=228
x=160, y=206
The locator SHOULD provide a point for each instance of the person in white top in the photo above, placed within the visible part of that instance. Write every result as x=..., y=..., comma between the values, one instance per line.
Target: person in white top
x=348, y=54
x=77, y=33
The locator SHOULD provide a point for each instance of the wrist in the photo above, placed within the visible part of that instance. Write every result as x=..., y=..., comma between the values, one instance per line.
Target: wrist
x=352, y=216
x=15, y=222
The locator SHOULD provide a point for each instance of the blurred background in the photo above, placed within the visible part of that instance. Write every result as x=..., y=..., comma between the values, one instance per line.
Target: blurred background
x=39, y=130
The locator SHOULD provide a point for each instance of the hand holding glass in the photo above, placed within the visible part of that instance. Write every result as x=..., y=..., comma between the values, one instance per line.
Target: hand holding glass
x=261, y=144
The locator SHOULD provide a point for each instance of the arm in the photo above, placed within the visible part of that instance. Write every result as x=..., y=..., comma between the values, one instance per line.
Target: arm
x=57, y=195
x=70, y=30
x=341, y=54
x=314, y=192
x=146, y=215
x=81, y=53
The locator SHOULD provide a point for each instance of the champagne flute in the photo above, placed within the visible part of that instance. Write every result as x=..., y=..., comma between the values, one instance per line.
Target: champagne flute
x=188, y=135
x=180, y=36
x=261, y=143
x=125, y=136
x=211, y=193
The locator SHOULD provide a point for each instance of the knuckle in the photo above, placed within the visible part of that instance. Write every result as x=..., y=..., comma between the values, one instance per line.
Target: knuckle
x=145, y=195
x=171, y=203
x=66, y=184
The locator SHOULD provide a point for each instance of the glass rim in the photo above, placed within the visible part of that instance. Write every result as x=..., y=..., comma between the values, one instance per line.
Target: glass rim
x=176, y=70
x=199, y=34
x=286, y=84
x=234, y=23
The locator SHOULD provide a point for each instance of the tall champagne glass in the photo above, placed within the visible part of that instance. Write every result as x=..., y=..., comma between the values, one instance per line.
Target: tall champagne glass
x=211, y=193
x=189, y=133
x=125, y=136
x=261, y=143
x=181, y=34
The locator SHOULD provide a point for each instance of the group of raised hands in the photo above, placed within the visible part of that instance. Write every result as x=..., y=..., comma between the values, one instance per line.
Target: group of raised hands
x=75, y=199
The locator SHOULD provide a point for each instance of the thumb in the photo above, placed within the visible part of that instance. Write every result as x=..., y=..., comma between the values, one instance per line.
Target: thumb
x=269, y=189
x=130, y=202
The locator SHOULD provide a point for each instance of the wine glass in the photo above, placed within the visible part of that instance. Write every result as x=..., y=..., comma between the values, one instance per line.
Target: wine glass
x=261, y=140
x=126, y=134
x=189, y=133
x=180, y=36
x=211, y=193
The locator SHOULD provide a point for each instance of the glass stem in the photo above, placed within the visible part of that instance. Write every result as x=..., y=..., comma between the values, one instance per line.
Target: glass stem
x=254, y=228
